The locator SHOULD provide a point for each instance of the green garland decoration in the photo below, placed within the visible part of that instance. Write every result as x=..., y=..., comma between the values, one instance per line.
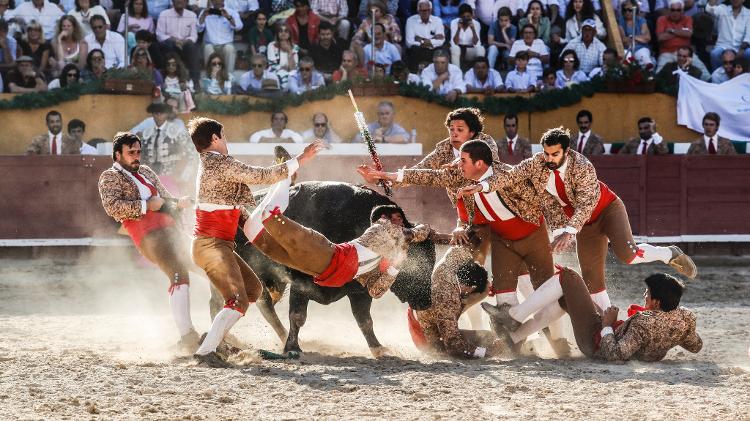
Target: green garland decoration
x=35, y=100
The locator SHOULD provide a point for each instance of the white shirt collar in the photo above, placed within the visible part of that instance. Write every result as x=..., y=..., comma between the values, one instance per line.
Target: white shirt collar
x=715, y=138
x=487, y=174
x=564, y=166
x=456, y=152
x=514, y=138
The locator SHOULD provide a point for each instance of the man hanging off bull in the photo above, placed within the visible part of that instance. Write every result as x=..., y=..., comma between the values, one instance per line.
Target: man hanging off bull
x=223, y=191
x=132, y=193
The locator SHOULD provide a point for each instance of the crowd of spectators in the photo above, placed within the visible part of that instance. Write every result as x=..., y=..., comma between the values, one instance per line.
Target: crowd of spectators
x=272, y=47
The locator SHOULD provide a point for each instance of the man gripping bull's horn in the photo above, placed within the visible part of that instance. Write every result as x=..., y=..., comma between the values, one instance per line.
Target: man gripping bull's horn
x=223, y=191
x=132, y=193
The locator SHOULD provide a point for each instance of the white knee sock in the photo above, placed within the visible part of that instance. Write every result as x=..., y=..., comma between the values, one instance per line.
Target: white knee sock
x=507, y=298
x=542, y=318
x=652, y=254
x=601, y=299
x=223, y=321
x=549, y=292
x=179, y=302
x=524, y=285
x=277, y=196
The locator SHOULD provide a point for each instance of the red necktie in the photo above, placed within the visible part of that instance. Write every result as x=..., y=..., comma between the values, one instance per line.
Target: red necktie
x=145, y=183
x=711, y=147
x=510, y=147
x=580, y=143
x=644, y=149
x=54, y=145
x=560, y=187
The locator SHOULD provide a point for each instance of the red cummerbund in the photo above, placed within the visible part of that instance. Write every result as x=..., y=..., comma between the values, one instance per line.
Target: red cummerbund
x=343, y=267
x=151, y=221
x=220, y=224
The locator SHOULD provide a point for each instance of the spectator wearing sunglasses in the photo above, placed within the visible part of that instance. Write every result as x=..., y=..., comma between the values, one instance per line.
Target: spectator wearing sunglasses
x=111, y=43
x=321, y=129
x=217, y=80
x=68, y=76
x=305, y=78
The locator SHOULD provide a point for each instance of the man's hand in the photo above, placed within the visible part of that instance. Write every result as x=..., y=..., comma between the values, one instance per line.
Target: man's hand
x=184, y=202
x=469, y=190
x=610, y=316
x=563, y=242
x=154, y=204
x=367, y=173
x=459, y=237
x=310, y=151
x=451, y=96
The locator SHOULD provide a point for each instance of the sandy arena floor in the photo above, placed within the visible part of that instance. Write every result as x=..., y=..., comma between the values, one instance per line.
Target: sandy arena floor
x=91, y=340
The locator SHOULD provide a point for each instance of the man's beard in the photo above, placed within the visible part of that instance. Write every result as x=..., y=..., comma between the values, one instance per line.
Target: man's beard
x=133, y=167
x=553, y=165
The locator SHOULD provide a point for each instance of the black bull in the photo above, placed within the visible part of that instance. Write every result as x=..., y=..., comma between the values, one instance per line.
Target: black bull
x=341, y=212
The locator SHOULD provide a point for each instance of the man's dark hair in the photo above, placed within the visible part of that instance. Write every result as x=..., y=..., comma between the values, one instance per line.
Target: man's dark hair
x=97, y=17
x=548, y=71
x=585, y=113
x=463, y=8
x=665, y=288
x=505, y=11
x=301, y=3
x=557, y=136
x=52, y=113
x=610, y=50
x=713, y=117
x=471, y=116
x=397, y=67
x=528, y=25
x=510, y=116
x=478, y=151
x=76, y=124
x=201, y=130
x=743, y=63
x=324, y=24
x=645, y=120
x=480, y=59
x=687, y=48
x=472, y=274
x=522, y=55
x=273, y=114
x=381, y=26
x=144, y=35
x=388, y=210
x=123, y=138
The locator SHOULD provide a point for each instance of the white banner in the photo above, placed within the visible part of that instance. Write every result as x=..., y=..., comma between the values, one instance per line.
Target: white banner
x=731, y=100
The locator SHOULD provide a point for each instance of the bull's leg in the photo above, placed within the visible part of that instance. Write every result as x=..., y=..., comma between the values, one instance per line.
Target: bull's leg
x=297, y=316
x=361, y=304
x=266, y=305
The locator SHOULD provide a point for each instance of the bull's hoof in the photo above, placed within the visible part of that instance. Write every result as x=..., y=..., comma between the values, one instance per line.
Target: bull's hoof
x=381, y=352
x=292, y=348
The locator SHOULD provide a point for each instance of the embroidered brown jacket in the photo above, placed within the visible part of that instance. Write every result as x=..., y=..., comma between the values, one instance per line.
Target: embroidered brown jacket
x=648, y=335
x=120, y=196
x=223, y=180
x=440, y=321
x=521, y=148
x=594, y=145
x=391, y=242
x=581, y=187
x=723, y=147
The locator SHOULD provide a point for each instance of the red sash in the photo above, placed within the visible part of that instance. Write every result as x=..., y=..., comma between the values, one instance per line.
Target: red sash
x=633, y=309
x=416, y=331
x=513, y=229
x=220, y=224
x=343, y=267
x=605, y=199
x=151, y=221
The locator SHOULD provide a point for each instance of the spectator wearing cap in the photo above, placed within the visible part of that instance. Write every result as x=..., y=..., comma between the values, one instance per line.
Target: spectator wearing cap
x=42, y=11
x=305, y=78
x=538, y=52
x=278, y=133
x=218, y=25
x=424, y=34
x=465, y=40
x=177, y=31
x=24, y=78
x=259, y=79
x=577, y=12
x=166, y=144
x=587, y=47
x=54, y=142
x=77, y=131
x=711, y=143
x=444, y=78
x=726, y=70
x=111, y=43
x=571, y=72
x=733, y=27
x=334, y=12
x=483, y=79
x=321, y=129
x=384, y=52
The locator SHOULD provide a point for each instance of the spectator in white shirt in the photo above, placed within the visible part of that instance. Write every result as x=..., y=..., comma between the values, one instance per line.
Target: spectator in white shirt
x=278, y=133
x=733, y=26
x=42, y=11
x=259, y=78
x=385, y=52
x=424, y=34
x=177, y=31
x=520, y=79
x=465, y=36
x=77, y=131
x=443, y=78
x=218, y=24
x=570, y=73
x=385, y=130
x=111, y=43
x=83, y=13
x=588, y=48
x=484, y=10
x=482, y=79
x=726, y=71
x=538, y=52
x=305, y=78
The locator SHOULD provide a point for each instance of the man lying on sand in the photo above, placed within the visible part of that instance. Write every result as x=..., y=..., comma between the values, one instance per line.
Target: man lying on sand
x=646, y=335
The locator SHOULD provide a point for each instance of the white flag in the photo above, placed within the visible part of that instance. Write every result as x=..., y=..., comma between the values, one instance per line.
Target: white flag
x=731, y=100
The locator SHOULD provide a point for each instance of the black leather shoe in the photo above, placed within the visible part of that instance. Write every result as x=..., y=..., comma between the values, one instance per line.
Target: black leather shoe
x=212, y=359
